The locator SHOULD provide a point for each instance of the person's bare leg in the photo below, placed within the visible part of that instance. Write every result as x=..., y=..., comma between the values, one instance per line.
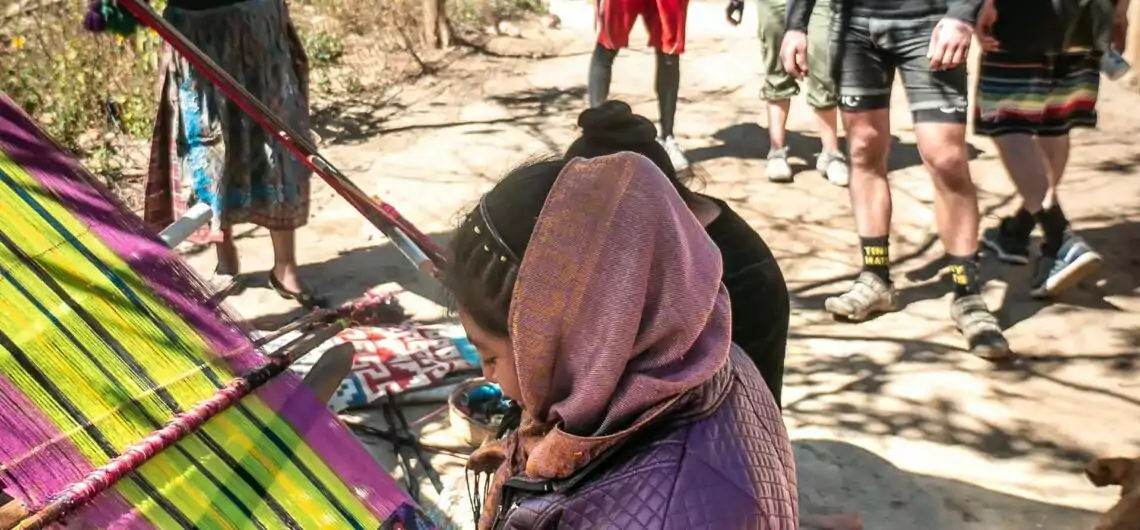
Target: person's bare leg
x=827, y=122
x=943, y=150
x=869, y=140
x=1056, y=151
x=229, y=262
x=1027, y=166
x=285, y=259
x=831, y=162
x=777, y=168
x=778, y=122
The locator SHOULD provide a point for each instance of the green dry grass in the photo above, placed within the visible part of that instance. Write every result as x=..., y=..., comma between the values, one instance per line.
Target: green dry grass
x=96, y=94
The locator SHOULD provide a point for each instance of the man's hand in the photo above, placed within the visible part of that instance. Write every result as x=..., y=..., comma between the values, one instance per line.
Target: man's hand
x=950, y=44
x=1120, y=27
x=735, y=12
x=984, y=28
x=793, y=53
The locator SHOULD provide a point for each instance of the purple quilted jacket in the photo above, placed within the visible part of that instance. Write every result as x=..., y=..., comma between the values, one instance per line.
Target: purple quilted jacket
x=726, y=465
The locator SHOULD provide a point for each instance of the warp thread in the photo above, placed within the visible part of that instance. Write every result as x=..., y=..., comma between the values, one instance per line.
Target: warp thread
x=139, y=453
x=107, y=15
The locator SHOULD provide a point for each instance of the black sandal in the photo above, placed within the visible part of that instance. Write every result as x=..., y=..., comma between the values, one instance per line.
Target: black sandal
x=307, y=297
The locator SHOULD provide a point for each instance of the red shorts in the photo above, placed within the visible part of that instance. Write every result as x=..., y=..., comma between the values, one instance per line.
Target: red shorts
x=665, y=20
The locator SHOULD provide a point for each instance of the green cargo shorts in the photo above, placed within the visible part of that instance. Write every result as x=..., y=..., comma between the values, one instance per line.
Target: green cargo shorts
x=778, y=85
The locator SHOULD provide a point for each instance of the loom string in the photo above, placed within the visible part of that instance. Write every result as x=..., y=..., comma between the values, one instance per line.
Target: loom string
x=136, y=403
x=128, y=293
x=160, y=392
x=135, y=456
x=176, y=340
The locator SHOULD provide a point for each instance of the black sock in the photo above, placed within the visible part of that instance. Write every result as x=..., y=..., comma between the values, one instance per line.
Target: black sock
x=668, y=89
x=1053, y=224
x=876, y=258
x=964, y=275
x=1019, y=225
x=601, y=71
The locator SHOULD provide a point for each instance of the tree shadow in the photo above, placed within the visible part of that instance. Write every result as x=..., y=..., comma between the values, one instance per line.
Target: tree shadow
x=841, y=478
x=937, y=420
x=749, y=141
x=352, y=273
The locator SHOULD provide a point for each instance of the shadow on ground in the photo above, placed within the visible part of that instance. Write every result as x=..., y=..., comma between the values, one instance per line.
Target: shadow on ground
x=838, y=477
x=750, y=141
x=351, y=274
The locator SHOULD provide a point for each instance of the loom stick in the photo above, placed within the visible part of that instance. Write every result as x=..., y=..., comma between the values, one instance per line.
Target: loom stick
x=187, y=423
x=379, y=213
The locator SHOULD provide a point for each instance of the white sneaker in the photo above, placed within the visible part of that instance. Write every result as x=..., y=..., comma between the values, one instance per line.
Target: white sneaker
x=778, y=169
x=833, y=165
x=676, y=155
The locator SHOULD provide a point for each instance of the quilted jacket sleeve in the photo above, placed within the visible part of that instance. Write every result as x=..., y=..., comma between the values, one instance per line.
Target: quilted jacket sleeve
x=541, y=513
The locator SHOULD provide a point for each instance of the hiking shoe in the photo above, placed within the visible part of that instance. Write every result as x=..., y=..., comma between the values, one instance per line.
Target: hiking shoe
x=1075, y=261
x=868, y=295
x=833, y=165
x=980, y=327
x=1008, y=245
x=778, y=169
x=676, y=155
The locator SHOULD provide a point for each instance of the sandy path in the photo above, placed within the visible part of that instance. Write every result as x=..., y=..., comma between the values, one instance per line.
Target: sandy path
x=891, y=417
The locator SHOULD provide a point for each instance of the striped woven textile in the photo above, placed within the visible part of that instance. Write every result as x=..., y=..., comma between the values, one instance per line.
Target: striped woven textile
x=105, y=335
x=1037, y=94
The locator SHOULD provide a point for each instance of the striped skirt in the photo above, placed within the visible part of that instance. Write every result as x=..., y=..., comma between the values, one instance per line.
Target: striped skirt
x=205, y=149
x=1042, y=95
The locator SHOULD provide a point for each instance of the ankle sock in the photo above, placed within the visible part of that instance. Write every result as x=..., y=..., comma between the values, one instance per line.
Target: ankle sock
x=876, y=258
x=1053, y=224
x=964, y=276
x=1020, y=224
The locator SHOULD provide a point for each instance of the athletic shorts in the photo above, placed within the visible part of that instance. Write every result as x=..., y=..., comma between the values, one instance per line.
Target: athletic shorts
x=866, y=53
x=1037, y=94
x=665, y=20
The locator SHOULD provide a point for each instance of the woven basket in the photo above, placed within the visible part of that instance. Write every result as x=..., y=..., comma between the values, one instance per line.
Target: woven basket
x=474, y=432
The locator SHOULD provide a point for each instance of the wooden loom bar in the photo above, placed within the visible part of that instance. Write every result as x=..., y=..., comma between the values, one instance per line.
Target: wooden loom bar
x=381, y=214
x=134, y=456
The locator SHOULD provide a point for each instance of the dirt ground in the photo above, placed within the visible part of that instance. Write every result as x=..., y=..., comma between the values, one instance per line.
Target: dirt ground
x=890, y=418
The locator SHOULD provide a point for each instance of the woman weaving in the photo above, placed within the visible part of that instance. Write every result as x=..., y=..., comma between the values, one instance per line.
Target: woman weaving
x=206, y=150
x=594, y=297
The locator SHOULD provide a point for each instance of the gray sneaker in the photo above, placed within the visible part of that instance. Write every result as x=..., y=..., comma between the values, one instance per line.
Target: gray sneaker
x=980, y=327
x=867, y=296
x=833, y=165
x=778, y=169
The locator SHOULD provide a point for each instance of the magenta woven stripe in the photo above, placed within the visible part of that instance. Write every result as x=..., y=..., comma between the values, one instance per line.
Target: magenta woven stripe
x=42, y=470
x=340, y=450
x=97, y=208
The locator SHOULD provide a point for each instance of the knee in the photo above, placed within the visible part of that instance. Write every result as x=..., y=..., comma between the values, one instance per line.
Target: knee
x=949, y=168
x=867, y=147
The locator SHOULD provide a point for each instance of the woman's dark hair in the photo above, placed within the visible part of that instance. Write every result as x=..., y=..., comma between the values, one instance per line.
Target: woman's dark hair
x=612, y=127
x=488, y=247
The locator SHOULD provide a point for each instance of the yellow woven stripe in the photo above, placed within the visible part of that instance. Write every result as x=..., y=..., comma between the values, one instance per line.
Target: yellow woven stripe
x=75, y=375
x=89, y=287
